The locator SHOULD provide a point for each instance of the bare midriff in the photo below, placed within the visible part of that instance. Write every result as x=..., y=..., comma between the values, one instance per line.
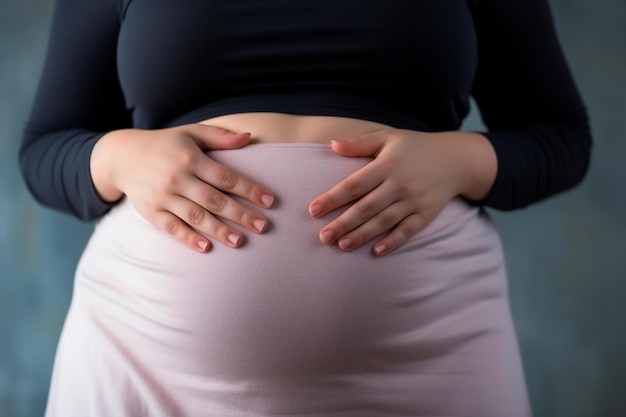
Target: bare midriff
x=287, y=128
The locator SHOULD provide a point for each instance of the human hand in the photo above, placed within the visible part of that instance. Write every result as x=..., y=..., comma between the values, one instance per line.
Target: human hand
x=412, y=177
x=171, y=182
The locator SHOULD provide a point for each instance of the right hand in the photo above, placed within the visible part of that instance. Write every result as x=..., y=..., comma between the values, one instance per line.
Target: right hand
x=171, y=182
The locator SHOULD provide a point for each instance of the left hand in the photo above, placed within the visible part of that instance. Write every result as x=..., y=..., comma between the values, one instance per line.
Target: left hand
x=412, y=177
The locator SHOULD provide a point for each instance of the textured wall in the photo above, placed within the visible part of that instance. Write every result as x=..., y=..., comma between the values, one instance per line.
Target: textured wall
x=567, y=256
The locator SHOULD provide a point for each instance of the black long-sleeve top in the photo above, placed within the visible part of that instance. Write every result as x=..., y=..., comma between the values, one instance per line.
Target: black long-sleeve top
x=410, y=64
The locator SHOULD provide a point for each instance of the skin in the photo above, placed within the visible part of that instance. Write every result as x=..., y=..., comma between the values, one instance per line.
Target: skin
x=412, y=177
x=172, y=182
x=174, y=185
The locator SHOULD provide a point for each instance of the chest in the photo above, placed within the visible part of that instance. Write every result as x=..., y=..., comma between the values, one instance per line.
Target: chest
x=216, y=48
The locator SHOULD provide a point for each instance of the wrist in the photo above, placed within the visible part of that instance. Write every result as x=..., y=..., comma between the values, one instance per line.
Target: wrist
x=478, y=164
x=102, y=168
x=482, y=166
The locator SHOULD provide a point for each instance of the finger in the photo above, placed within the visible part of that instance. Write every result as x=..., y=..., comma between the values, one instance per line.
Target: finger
x=352, y=188
x=407, y=228
x=180, y=231
x=232, y=182
x=214, y=137
x=369, y=144
x=220, y=204
x=385, y=220
x=361, y=212
x=200, y=220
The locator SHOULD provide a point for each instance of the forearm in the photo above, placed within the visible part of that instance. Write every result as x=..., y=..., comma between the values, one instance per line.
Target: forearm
x=537, y=161
x=55, y=166
x=529, y=103
x=78, y=99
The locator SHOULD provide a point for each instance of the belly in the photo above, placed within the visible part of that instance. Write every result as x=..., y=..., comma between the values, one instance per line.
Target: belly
x=284, y=322
x=284, y=303
x=287, y=128
x=285, y=313
x=281, y=298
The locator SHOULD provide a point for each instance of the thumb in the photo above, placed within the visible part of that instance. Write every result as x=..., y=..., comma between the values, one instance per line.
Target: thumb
x=213, y=137
x=369, y=144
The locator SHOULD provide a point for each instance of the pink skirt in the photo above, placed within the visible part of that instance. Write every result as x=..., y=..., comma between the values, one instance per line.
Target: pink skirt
x=287, y=326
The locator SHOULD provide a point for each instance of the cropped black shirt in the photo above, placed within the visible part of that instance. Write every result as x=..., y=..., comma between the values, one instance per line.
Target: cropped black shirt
x=148, y=64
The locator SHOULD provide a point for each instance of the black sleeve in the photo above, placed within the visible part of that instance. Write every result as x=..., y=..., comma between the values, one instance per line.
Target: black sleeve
x=528, y=100
x=78, y=99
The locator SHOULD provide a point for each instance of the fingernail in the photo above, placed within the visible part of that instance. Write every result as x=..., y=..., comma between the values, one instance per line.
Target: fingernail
x=345, y=243
x=315, y=210
x=267, y=199
x=259, y=224
x=326, y=236
x=234, y=238
x=380, y=249
x=202, y=245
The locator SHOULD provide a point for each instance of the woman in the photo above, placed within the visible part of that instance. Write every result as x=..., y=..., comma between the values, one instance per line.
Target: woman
x=335, y=256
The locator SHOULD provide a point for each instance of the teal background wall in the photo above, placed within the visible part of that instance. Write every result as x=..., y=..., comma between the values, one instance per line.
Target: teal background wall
x=567, y=256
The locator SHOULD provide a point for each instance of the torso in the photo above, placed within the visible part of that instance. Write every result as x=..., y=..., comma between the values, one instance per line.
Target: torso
x=287, y=128
x=284, y=325
x=409, y=64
